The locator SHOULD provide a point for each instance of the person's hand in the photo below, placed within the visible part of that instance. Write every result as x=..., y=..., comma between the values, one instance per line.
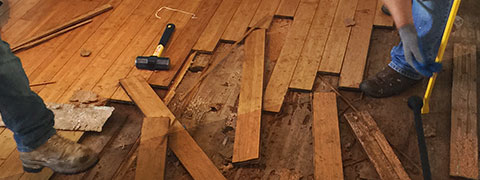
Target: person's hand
x=413, y=55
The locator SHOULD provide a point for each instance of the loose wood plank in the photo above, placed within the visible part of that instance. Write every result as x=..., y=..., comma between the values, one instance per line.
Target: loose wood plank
x=357, y=49
x=376, y=146
x=240, y=20
x=266, y=8
x=282, y=73
x=153, y=148
x=217, y=25
x=182, y=144
x=326, y=137
x=381, y=19
x=332, y=58
x=247, y=133
x=307, y=66
x=287, y=8
x=180, y=49
x=463, y=136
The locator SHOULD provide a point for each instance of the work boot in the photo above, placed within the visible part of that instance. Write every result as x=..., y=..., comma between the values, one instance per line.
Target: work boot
x=386, y=83
x=61, y=155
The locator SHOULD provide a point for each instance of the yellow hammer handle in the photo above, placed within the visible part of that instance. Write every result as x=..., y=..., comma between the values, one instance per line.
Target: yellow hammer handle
x=441, y=51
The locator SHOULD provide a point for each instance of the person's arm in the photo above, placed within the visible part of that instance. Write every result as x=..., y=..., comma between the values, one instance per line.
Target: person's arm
x=401, y=11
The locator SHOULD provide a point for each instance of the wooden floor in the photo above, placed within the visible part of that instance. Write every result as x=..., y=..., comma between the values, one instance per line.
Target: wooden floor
x=131, y=29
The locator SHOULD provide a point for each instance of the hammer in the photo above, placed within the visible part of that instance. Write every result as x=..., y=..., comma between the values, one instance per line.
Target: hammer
x=155, y=62
x=415, y=103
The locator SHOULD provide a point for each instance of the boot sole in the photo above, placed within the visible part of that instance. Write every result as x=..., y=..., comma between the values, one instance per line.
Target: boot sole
x=36, y=167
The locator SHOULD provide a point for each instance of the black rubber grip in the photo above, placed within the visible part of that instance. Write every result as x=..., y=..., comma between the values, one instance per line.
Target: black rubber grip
x=167, y=34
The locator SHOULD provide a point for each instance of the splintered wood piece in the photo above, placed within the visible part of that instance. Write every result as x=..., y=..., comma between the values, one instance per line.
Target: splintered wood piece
x=153, y=148
x=215, y=28
x=247, y=134
x=326, y=137
x=307, y=66
x=266, y=8
x=464, y=137
x=240, y=20
x=376, y=146
x=181, y=47
x=336, y=46
x=381, y=19
x=287, y=8
x=282, y=73
x=357, y=49
x=180, y=142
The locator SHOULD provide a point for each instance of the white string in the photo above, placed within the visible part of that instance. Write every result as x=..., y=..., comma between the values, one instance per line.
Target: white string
x=172, y=9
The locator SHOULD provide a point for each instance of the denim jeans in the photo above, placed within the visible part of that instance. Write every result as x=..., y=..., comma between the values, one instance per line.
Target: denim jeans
x=23, y=111
x=430, y=18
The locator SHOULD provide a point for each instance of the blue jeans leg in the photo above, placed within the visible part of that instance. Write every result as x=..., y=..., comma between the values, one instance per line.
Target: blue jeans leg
x=22, y=110
x=430, y=18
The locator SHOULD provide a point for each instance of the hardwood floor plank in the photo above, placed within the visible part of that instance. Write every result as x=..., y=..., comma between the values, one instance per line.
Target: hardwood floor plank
x=73, y=43
x=153, y=148
x=463, y=134
x=180, y=142
x=326, y=134
x=113, y=49
x=247, y=134
x=311, y=55
x=376, y=146
x=287, y=8
x=76, y=64
x=336, y=46
x=381, y=19
x=142, y=44
x=32, y=59
x=277, y=86
x=355, y=60
x=217, y=25
x=240, y=20
x=267, y=8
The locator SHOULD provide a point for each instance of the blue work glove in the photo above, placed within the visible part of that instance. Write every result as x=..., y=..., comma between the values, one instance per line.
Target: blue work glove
x=413, y=55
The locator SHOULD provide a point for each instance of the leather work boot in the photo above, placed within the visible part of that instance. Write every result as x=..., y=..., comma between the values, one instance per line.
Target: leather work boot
x=386, y=83
x=61, y=155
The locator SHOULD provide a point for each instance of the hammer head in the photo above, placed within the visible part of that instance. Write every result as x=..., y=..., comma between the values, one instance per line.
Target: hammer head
x=152, y=63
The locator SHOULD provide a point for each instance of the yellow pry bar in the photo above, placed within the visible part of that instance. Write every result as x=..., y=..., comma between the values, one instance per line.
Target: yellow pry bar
x=441, y=50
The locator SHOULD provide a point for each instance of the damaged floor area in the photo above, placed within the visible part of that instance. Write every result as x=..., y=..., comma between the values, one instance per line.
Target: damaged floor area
x=210, y=113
